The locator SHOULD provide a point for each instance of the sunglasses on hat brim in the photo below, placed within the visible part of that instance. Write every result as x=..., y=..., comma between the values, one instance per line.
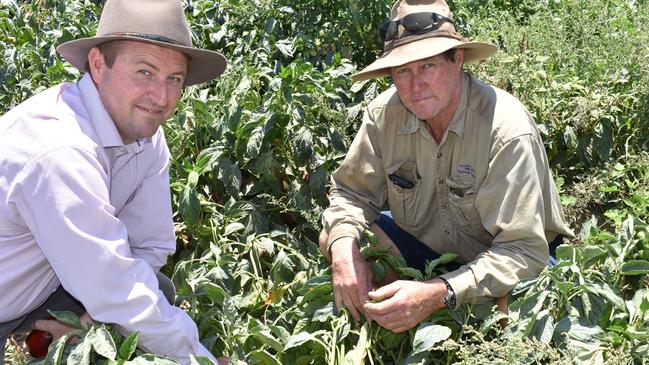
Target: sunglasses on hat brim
x=416, y=23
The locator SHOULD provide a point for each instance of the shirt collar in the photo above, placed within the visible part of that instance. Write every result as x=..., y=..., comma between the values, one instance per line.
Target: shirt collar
x=99, y=117
x=458, y=121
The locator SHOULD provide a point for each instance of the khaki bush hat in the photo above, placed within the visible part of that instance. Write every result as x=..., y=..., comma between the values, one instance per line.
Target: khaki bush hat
x=160, y=22
x=438, y=38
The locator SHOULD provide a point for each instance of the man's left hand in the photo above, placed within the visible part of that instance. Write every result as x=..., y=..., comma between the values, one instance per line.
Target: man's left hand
x=405, y=303
x=58, y=329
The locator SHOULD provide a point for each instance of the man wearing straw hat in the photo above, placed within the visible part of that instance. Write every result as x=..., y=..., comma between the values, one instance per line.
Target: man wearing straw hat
x=462, y=168
x=85, y=209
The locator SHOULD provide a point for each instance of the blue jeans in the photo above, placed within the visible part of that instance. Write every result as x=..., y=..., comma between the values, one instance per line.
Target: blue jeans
x=417, y=254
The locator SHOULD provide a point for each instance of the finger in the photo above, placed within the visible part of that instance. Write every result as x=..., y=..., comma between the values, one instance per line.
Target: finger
x=385, y=291
x=86, y=320
x=351, y=308
x=338, y=299
x=54, y=327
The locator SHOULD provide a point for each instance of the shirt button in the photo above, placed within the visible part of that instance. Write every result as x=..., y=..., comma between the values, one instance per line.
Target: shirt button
x=447, y=232
x=443, y=206
x=441, y=181
x=439, y=155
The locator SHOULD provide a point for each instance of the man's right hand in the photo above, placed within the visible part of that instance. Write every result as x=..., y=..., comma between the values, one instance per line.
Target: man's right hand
x=351, y=276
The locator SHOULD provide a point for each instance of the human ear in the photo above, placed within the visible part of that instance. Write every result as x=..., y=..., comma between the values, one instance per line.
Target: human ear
x=96, y=63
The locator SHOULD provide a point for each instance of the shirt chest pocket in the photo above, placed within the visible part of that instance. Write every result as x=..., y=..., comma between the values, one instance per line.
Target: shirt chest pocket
x=403, y=191
x=465, y=216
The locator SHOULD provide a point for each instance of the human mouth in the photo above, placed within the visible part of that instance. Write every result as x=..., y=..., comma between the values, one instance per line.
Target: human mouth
x=150, y=110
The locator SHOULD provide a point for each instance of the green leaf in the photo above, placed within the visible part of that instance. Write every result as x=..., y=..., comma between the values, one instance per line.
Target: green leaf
x=303, y=146
x=324, y=314
x=229, y=174
x=189, y=206
x=264, y=357
x=635, y=267
x=233, y=228
x=55, y=352
x=69, y=318
x=103, y=342
x=298, y=339
x=428, y=335
x=267, y=338
x=81, y=353
x=253, y=147
x=358, y=354
x=128, y=347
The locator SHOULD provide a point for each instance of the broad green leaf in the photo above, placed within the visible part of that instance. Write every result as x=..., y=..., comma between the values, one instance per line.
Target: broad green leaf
x=233, y=228
x=103, y=342
x=635, y=267
x=55, y=352
x=253, y=147
x=69, y=318
x=607, y=292
x=264, y=357
x=543, y=327
x=303, y=146
x=298, y=339
x=128, y=347
x=265, y=245
x=358, y=354
x=379, y=269
x=267, y=338
x=428, y=335
x=189, y=206
x=81, y=353
x=324, y=314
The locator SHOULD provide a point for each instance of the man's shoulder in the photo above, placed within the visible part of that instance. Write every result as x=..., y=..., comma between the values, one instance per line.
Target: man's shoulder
x=387, y=111
x=47, y=121
x=504, y=113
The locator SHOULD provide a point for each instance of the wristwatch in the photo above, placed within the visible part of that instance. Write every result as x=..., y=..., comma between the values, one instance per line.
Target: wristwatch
x=449, y=300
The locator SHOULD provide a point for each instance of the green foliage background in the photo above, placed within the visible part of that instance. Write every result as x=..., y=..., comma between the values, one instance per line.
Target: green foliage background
x=253, y=150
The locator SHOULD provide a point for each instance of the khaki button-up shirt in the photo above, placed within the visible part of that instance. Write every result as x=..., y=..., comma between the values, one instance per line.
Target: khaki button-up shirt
x=485, y=192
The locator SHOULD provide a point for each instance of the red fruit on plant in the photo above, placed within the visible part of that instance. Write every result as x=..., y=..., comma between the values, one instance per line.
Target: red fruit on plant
x=38, y=342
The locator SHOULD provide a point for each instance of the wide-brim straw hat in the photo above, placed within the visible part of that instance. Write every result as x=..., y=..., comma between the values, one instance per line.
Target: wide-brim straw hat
x=420, y=46
x=159, y=22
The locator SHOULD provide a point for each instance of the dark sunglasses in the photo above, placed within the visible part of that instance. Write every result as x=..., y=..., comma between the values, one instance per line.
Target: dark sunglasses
x=416, y=23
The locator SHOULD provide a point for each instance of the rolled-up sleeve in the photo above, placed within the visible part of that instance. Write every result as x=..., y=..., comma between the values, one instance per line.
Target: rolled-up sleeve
x=358, y=186
x=510, y=203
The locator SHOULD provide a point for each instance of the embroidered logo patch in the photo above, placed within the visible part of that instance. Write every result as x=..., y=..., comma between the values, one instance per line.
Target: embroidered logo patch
x=464, y=170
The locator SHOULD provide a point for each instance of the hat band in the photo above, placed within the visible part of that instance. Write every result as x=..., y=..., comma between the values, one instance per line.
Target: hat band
x=147, y=36
x=389, y=46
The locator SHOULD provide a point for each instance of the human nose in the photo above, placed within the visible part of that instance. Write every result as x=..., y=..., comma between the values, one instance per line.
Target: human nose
x=158, y=93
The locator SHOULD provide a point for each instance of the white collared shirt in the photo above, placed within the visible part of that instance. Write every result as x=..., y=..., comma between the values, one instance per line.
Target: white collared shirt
x=79, y=208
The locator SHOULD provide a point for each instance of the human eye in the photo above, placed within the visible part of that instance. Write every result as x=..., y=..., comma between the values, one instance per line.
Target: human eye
x=176, y=79
x=144, y=72
x=402, y=71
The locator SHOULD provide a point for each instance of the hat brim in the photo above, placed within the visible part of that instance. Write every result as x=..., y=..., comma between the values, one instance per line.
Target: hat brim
x=421, y=49
x=204, y=64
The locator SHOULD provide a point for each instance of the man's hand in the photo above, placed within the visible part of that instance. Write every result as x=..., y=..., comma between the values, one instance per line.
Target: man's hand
x=58, y=329
x=351, y=276
x=405, y=303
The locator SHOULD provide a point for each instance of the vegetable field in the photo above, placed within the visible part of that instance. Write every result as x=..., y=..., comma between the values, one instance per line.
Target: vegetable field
x=252, y=153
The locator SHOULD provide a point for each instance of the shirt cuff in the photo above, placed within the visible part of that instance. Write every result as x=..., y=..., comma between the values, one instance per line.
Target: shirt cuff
x=339, y=231
x=463, y=283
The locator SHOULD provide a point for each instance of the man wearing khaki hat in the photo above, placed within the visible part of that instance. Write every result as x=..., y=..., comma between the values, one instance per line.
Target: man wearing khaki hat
x=85, y=209
x=462, y=168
